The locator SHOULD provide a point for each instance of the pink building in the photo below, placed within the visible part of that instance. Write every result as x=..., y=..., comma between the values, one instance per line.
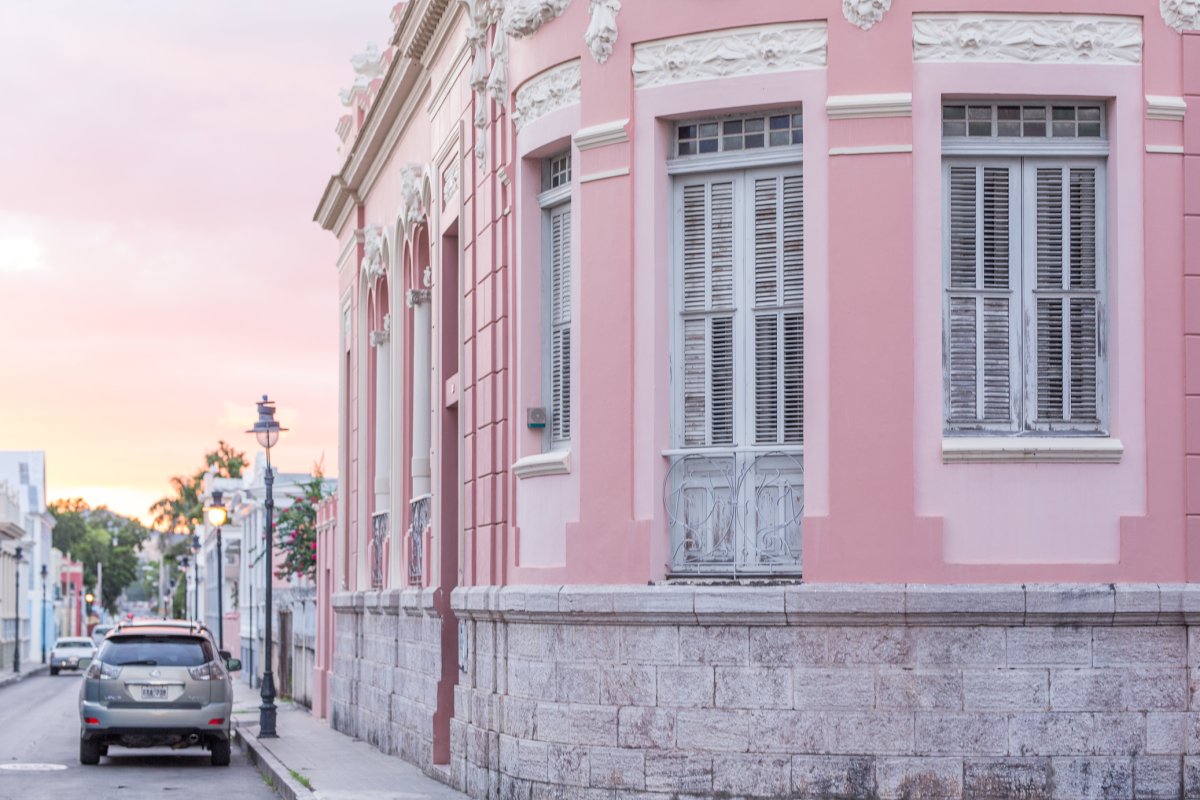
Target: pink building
x=649, y=315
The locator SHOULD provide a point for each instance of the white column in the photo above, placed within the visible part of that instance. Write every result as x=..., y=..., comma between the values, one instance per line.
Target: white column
x=383, y=417
x=422, y=411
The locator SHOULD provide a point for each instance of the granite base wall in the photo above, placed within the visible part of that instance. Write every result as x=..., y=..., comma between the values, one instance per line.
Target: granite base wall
x=828, y=692
x=386, y=662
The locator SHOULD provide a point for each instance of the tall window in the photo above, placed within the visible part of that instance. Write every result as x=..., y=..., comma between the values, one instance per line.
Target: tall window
x=555, y=201
x=1024, y=268
x=734, y=494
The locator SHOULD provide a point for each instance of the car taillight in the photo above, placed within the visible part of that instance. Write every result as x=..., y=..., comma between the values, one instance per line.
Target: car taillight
x=91, y=721
x=99, y=669
x=207, y=672
x=217, y=721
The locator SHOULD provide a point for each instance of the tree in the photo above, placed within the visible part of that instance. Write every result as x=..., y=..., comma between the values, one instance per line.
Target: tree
x=95, y=536
x=182, y=510
x=296, y=529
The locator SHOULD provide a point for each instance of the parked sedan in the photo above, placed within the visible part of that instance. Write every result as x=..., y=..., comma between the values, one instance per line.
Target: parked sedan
x=71, y=652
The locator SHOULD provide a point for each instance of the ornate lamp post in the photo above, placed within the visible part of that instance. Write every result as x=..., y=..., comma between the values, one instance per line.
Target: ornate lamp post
x=267, y=431
x=196, y=577
x=17, y=649
x=218, y=516
x=184, y=563
x=45, y=572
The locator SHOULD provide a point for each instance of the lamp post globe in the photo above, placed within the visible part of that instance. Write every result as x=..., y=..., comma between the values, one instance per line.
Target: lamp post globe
x=267, y=431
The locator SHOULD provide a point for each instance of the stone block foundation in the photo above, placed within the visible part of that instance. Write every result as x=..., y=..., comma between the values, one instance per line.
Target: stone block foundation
x=806, y=691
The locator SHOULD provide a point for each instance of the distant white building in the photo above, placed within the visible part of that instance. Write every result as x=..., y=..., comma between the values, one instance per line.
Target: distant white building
x=24, y=473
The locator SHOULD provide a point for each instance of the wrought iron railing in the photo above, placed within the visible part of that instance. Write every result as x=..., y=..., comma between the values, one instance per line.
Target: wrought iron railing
x=379, y=534
x=735, y=513
x=419, y=510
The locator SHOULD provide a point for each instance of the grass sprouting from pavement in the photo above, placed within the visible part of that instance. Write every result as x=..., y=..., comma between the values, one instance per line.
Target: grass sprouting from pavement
x=305, y=782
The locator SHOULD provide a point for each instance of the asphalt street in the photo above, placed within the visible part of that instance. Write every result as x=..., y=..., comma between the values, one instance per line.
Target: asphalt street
x=39, y=756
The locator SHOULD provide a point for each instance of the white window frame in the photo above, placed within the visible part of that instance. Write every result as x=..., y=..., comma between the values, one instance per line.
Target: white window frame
x=554, y=201
x=742, y=168
x=1023, y=156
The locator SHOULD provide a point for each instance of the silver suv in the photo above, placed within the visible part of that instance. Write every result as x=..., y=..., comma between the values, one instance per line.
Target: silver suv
x=153, y=686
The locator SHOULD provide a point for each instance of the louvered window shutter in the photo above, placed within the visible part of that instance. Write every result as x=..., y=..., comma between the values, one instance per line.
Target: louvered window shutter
x=707, y=311
x=980, y=350
x=777, y=251
x=560, y=323
x=1067, y=298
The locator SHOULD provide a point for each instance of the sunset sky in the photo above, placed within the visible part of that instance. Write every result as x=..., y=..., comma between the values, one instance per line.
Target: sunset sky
x=159, y=267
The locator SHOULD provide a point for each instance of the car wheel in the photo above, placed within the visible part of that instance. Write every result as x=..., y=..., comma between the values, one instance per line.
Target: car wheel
x=220, y=752
x=54, y=670
x=89, y=751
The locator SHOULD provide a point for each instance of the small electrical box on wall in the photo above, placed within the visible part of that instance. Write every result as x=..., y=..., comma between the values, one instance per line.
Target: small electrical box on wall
x=535, y=417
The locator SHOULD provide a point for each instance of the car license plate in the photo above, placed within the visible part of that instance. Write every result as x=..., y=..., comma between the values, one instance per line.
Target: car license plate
x=154, y=693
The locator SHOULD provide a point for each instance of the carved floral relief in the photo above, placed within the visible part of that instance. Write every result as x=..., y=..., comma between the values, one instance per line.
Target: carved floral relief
x=1057, y=38
x=1181, y=15
x=742, y=51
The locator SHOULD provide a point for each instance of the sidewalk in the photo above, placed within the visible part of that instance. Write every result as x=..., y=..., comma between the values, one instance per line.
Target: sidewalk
x=8, y=677
x=311, y=761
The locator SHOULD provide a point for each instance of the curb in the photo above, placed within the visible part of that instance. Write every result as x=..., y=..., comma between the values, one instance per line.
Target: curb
x=20, y=676
x=281, y=780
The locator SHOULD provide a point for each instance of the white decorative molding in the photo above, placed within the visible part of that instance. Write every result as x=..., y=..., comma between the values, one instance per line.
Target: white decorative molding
x=988, y=449
x=368, y=65
x=556, y=462
x=1165, y=107
x=600, y=176
x=497, y=84
x=1180, y=15
x=524, y=17
x=1027, y=38
x=601, y=32
x=732, y=52
x=414, y=198
x=865, y=13
x=1165, y=149
x=383, y=334
x=870, y=149
x=548, y=91
x=450, y=179
x=602, y=135
x=372, y=263
x=416, y=297
x=866, y=106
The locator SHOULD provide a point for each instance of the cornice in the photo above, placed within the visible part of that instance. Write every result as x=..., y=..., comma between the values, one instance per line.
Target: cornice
x=1027, y=38
x=602, y=135
x=867, y=106
x=733, y=52
x=834, y=604
x=1165, y=107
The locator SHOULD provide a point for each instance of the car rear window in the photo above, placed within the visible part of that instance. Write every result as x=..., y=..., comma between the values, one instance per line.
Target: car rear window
x=74, y=643
x=162, y=651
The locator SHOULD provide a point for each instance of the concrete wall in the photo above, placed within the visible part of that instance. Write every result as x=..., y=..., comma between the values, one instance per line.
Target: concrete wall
x=849, y=692
x=386, y=663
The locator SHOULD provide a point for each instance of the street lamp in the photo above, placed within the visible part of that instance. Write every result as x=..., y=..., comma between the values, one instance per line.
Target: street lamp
x=218, y=516
x=17, y=649
x=184, y=563
x=267, y=431
x=196, y=577
x=45, y=572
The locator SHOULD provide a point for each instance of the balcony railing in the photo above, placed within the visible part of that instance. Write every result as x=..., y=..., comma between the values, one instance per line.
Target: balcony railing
x=419, y=509
x=379, y=534
x=735, y=513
